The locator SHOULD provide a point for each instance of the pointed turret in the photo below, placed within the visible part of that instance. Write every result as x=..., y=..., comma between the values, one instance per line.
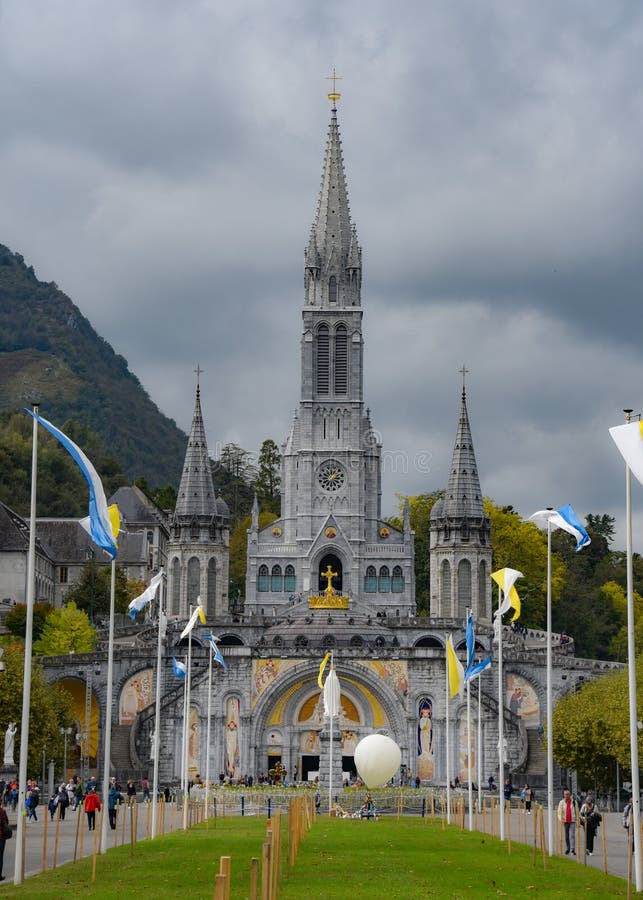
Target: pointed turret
x=333, y=256
x=254, y=522
x=460, y=535
x=463, y=495
x=196, y=492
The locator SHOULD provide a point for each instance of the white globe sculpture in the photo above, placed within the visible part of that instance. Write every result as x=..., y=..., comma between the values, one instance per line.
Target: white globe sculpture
x=377, y=759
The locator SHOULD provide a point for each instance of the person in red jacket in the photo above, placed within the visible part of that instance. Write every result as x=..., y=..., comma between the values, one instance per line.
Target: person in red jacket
x=92, y=803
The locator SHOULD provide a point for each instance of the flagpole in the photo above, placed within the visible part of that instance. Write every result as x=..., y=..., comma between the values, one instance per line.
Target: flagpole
x=187, y=729
x=330, y=754
x=26, y=684
x=501, y=725
x=447, y=743
x=631, y=681
x=469, y=769
x=107, y=740
x=479, y=754
x=550, y=712
x=157, y=715
x=208, y=735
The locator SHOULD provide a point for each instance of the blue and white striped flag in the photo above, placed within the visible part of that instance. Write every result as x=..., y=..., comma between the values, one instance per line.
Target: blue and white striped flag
x=473, y=668
x=216, y=653
x=140, y=602
x=566, y=519
x=179, y=668
x=104, y=521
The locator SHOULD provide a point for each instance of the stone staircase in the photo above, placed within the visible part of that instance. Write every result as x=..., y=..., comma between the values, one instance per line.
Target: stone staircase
x=121, y=760
x=535, y=770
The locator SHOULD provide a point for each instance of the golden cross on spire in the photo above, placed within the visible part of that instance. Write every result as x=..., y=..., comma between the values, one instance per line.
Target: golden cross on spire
x=464, y=372
x=334, y=96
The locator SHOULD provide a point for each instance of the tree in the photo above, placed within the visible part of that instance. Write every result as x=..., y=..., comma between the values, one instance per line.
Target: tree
x=269, y=477
x=50, y=709
x=591, y=726
x=16, y=620
x=91, y=591
x=601, y=525
x=234, y=477
x=67, y=630
x=239, y=553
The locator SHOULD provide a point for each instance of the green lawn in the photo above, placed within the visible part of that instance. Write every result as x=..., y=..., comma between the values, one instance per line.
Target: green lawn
x=339, y=858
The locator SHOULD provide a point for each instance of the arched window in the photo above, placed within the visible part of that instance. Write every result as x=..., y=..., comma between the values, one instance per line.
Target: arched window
x=323, y=359
x=482, y=590
x=194, y=580
x=384, y=581
x=332, y=289
x=464, y=587
x=341, y=360
x=176, y=587
x=276, y=581
x=212, y=587
x=263, y=581
x=445, y=587
x=357, y=641
x=397, y=585
x=289, y=579
x=370, y=580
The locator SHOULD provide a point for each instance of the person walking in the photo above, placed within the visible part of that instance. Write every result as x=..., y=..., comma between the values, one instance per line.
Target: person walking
x=131, y=793
x=145, y=786
x=529, y=798
x=31, y=801
x=92, y=804
x=5, y=832
x=114, y=799
x=590, y=819
x=567, y=813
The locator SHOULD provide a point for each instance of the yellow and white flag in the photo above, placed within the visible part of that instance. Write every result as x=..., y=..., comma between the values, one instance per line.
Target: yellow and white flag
x=197, y=613
x=506, y=579
x=324, y=663
x=629, y=440
x=455, y=669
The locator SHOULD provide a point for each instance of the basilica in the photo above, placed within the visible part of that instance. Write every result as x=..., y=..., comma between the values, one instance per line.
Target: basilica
x=330, y=574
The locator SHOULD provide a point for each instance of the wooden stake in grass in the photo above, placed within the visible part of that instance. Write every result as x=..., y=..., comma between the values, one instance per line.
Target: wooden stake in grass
x=603, y=830
x=535, y=818
x=96, y=832
x=542, y=838
x=254, y=878
x=131, y=829
x=148, y=812
x=225, y=869
x=123, y=829
x=81, y=816
x=57, y=837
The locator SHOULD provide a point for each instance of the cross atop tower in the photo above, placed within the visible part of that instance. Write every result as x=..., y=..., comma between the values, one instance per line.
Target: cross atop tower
x=464, y=372
x=334, y=96
x=198, y=372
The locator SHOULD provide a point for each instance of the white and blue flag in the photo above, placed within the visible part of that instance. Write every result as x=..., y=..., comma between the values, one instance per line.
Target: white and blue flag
x=216, y=653
x=104, y=521
x=473, y=668
x=179, y=668
x=140, y=602
x=566, y=519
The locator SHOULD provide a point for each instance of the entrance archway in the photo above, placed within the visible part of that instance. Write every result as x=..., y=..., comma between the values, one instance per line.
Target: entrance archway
x=335, y=566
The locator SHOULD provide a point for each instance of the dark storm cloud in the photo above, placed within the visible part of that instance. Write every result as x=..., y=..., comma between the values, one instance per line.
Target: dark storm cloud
x=161, y=162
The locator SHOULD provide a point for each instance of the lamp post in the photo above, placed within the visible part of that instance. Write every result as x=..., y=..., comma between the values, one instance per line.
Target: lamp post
x=65, y=733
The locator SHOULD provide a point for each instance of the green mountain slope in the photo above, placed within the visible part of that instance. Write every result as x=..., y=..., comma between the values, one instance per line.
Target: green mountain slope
x=50, y=352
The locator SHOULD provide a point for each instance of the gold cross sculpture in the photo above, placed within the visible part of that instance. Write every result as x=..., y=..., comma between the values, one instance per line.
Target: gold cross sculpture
x=334, y=96
x=329, y=575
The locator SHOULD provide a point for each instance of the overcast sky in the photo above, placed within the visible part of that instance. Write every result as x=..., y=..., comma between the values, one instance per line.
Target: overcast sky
x=161, y=160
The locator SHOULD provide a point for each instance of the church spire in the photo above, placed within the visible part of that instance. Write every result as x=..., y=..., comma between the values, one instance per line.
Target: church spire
x=463, y=495
x=333, y=257
x=196, y=491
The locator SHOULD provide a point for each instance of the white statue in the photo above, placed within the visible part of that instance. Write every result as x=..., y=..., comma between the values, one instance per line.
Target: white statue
x=9, y=738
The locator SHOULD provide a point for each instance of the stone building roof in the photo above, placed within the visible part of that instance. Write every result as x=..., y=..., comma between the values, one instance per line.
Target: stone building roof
x=136, y=507
x=14, y=530
x=67, y=540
